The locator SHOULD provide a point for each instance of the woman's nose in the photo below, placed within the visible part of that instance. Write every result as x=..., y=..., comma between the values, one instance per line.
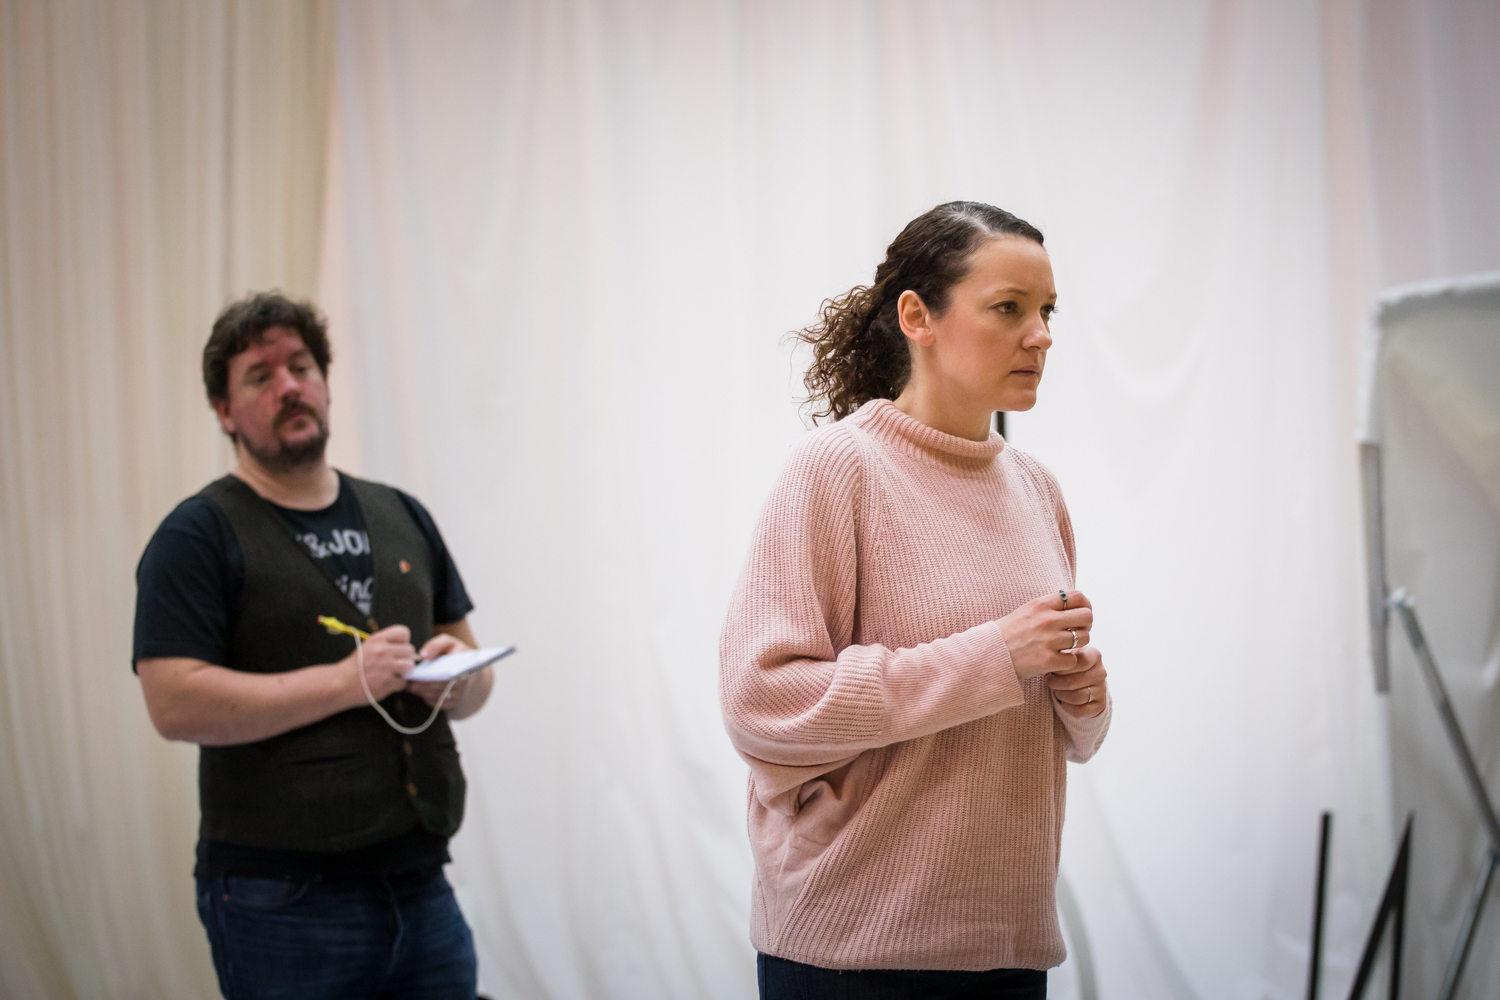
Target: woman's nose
x=1038, y=336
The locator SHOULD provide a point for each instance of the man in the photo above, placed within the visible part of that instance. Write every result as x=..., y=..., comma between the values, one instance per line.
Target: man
x=324, y=830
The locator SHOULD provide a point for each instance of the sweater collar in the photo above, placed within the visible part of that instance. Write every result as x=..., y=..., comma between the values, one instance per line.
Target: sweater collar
x=881, y=419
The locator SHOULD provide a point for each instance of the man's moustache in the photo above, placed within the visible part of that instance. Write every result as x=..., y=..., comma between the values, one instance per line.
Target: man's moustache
x=292, y=410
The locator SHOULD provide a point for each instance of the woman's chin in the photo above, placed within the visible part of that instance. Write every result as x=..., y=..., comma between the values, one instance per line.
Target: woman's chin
x=1018, y=402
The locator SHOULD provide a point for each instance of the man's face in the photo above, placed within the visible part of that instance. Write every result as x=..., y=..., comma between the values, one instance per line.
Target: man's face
x=277, y=407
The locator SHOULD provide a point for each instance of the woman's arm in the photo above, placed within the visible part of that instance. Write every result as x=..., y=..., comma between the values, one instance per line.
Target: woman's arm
x=813, y=710
x=793, y=691
x=1080, y=696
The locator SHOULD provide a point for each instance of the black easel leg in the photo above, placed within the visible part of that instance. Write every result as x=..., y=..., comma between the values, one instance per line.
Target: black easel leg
x=1315, y=963
x=1392, y=907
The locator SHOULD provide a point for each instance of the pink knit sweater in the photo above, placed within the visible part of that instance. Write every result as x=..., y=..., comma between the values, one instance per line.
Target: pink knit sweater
x=906, y=788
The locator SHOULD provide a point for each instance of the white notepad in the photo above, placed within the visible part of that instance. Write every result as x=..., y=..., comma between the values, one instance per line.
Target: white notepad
x=445, y=668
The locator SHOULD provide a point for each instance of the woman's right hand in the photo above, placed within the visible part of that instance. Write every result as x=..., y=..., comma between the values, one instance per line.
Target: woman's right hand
x=1037, y=633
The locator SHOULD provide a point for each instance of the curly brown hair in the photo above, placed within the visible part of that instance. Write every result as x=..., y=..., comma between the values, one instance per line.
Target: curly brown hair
x=859, y=351
x=241, y=324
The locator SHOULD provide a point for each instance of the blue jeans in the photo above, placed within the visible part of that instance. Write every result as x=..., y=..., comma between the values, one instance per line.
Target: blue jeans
x=783, y=979
x=344, y=939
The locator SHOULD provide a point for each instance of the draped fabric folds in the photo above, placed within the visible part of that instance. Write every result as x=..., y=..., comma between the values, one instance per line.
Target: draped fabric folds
x=560, y=243
x=159, y=158
x=573, y=238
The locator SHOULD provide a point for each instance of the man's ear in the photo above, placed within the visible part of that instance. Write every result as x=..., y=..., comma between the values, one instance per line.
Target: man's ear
x=221, y=410
x=915, y=320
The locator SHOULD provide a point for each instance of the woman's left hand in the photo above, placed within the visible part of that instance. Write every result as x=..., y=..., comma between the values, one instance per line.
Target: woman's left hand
x=1081, y=692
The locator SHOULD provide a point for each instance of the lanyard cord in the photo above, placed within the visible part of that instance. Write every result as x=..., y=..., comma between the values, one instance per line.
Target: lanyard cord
x=359, y=656
x=334, y=625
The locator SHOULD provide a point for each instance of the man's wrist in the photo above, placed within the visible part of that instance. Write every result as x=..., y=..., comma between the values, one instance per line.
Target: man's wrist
x=346, y=691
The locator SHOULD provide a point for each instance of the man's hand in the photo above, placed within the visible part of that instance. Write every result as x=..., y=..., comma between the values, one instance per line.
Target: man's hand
x=1081, y=692
x=441, y=644
x=1037, y=633
x=471, y=690
x=388, y=657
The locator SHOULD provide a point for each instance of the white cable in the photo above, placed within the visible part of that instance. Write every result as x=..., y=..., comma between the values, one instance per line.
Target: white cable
x=359, y=656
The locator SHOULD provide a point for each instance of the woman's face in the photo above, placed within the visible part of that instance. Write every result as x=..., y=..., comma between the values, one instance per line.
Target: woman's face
x=988, y=347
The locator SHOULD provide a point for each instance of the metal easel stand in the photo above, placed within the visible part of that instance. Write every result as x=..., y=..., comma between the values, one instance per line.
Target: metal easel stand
x=1407, y=612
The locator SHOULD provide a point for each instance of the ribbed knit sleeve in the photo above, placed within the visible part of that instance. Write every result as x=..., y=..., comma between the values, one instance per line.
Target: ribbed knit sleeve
x=1085, y=736
x=795, y=691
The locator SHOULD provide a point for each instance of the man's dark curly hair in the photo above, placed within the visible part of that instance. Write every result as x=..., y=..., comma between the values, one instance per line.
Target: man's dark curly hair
x=859, y=351
x=241, y=325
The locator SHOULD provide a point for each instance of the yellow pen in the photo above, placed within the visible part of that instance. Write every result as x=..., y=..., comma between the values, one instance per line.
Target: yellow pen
x=335, y=627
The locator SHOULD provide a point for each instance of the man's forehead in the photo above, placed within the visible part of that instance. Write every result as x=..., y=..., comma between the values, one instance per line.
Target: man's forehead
x=272, y=342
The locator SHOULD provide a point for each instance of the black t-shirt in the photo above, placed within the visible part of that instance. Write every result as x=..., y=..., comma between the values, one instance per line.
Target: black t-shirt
x=188, y=588
x=337, y=540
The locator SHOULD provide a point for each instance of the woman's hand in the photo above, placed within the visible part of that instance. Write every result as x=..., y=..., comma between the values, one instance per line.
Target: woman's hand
x=1081, y=692
x=1038, y=633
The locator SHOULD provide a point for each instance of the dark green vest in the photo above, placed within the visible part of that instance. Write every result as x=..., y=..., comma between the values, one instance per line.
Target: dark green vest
x=349, y=780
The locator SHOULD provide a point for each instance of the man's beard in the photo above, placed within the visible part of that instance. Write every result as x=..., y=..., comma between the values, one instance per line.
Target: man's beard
x=289, y=457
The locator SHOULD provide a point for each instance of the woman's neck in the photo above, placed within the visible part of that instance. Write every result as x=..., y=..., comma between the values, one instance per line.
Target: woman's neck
x=943, y=413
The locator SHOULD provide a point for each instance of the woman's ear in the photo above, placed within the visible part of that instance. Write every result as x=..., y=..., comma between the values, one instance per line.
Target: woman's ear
x=915, y=320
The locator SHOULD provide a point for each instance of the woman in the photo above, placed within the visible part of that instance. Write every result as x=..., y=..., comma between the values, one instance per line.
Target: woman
x=905, y=665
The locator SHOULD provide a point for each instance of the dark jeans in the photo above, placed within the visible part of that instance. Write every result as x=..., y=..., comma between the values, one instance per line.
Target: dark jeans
x=377, y=938
x=782, y=979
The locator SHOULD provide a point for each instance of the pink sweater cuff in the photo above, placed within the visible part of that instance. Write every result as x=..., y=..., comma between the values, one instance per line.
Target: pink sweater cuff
x=1086, y=735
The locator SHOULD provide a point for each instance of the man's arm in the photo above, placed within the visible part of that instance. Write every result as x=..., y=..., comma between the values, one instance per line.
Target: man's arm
x=471, y=691
x=202, y=703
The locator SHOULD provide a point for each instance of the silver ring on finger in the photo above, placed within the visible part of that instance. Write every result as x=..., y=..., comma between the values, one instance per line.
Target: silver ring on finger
x=1075, y=640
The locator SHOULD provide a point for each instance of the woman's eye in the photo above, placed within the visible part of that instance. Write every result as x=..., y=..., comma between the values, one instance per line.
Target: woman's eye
x=1006, y=307
x=1048, y=312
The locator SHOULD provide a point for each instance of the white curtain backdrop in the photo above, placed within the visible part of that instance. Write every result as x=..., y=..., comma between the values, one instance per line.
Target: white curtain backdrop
x=156, y=159
x=573, y=236
x=560, y=244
